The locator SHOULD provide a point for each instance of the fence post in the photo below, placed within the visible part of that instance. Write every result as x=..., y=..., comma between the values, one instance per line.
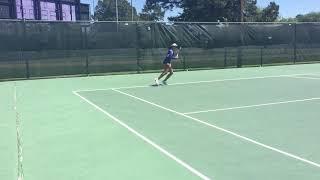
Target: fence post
x=225, y=58
x=22, y=49
x=27, y=68
x=87, y=63
x=295, y=43
x=261, y=56
x=86, y=49
x=87, y=52
x=184, y=62
x=239, y=57
x=241, y=43
x=138, y=53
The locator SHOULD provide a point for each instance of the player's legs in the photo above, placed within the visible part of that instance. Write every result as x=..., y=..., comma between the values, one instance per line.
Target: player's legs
x=166, y=69
x=170, y=70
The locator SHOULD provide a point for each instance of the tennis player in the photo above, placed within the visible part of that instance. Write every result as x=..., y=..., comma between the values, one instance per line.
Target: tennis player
x=173, y=53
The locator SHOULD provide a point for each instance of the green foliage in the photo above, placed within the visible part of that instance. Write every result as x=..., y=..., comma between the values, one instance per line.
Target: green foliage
x=287, y=20
x=251, y=11
x=310, y=17
x=218, y=10
x=270, y=13
x=106, y=11
x=208, y=10
x=152, y=12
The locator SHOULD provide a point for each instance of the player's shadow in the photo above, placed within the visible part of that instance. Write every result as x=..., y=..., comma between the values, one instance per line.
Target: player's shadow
x=157, y=85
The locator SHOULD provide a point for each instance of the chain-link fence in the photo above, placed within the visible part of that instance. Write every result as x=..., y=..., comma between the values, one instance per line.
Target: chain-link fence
x=40, y=49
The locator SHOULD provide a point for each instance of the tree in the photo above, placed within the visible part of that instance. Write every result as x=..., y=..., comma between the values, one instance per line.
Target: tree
x=270, y=13
x=152, y=12
x=233, y=9
x=310, y=17
x=251, y=11
x=290, y=19
x=106, y=10
x=222, y=10
x=204, y=10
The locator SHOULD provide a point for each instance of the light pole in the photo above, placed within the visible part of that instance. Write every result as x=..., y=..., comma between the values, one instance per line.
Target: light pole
x=93, y=7
x=131, y=11
x=117, y=13
x=241, y=10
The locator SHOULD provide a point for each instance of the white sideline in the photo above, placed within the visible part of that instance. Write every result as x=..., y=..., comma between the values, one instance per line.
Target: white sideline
x=299, y=77
x=148, y=141
x=20, y=174
x=250, y=106
x=223, y=130
x=199, y=82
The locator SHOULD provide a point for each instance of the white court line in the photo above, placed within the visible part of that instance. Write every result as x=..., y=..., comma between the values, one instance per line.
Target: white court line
x=299, y=77
x=223, y=130
x=20, y=173
x=150, y=142
x=250, y=106
x=199, y=82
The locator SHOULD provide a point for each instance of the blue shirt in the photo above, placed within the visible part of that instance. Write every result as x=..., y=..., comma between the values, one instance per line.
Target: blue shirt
x=169, y=57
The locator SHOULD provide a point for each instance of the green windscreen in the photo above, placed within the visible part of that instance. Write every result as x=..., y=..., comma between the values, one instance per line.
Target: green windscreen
x=42, y=49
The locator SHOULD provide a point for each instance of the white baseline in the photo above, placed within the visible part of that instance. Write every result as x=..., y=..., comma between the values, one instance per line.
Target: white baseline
x=301, y=77
x=199, y=82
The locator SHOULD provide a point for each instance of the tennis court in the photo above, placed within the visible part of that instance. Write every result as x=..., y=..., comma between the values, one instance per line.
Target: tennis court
x=248, y=123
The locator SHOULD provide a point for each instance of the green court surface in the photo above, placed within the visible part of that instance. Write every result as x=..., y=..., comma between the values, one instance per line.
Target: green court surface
x=244, y=124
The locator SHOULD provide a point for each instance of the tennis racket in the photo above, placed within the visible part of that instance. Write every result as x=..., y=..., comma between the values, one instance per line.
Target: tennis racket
x=177, y=53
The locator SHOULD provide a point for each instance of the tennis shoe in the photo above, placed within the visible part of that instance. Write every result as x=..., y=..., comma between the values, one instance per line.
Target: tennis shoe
x=164, y=83
x=156, y=81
